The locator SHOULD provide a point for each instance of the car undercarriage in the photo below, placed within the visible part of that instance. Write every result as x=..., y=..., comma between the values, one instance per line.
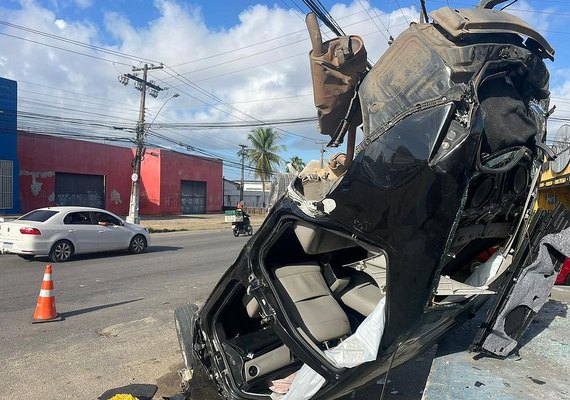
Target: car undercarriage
x=366, y=262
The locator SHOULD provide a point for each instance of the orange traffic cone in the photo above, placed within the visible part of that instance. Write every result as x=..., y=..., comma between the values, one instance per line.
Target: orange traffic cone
x=45, y=309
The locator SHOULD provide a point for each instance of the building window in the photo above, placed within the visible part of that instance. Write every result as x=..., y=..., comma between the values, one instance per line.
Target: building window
x=6, y=184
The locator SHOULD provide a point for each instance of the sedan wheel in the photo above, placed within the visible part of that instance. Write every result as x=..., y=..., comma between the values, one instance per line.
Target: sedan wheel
x=61, y=251
x=138, y=244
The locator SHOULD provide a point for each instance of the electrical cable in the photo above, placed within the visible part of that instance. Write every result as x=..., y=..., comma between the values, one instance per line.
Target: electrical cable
x=77, y=43
x=64, y=49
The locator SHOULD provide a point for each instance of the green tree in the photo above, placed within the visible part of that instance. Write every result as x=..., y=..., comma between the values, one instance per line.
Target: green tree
x=297, y=163
x=262, y=154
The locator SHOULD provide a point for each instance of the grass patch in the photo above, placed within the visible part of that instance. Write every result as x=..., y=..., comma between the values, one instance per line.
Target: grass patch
x=165, y=230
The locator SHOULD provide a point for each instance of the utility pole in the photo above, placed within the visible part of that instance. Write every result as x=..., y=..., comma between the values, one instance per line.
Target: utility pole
x=242, y=152
x=142, y=85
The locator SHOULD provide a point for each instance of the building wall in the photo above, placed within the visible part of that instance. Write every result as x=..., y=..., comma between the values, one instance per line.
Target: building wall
x=554, y=188
x=252, y=194
x=8, y=137
x=149, y=203
x=41, y=156
x=176, y=168
x=548, y=198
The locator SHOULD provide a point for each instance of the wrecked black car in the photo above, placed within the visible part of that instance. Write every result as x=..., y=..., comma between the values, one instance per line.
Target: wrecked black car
x=364, y=263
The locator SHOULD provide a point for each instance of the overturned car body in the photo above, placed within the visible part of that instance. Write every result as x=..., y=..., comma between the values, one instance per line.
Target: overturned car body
x=389, y=250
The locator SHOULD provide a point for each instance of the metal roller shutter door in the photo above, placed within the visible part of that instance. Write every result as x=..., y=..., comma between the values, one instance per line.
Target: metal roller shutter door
x=79, y=190
x=192, y=197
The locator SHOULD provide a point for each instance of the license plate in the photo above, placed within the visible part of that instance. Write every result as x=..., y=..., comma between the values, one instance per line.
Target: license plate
x=7, y=245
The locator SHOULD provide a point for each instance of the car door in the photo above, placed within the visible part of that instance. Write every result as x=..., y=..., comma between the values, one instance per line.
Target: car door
x=112, y=234
x=82, y=231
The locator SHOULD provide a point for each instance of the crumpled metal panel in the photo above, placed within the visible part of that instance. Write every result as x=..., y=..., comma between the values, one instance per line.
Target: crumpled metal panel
x=527, y=295
x=336, y=73
x=459, y=23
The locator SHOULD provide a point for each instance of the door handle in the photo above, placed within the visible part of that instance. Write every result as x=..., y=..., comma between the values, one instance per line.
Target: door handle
x=71, y=230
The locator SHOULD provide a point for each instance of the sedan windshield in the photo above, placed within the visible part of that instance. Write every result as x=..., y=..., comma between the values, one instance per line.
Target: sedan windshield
x=38, y=215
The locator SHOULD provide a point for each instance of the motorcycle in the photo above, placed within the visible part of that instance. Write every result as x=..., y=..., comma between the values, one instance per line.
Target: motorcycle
x=243, y=227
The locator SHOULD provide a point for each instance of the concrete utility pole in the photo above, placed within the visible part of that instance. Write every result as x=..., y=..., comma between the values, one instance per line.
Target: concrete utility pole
x=142, y=85
x=242, y=153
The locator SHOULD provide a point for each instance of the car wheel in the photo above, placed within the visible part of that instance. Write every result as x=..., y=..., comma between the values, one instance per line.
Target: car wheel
x=567, y=280
x=184, y=317
x=249, y=230
x=138, y=244
x=61, y=251
x=27, y=257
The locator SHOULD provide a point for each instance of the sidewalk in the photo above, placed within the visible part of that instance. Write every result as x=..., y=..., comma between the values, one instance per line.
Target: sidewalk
x=191, y=222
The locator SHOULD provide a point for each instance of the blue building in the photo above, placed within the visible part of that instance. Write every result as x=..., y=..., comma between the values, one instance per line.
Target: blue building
x=9, y=167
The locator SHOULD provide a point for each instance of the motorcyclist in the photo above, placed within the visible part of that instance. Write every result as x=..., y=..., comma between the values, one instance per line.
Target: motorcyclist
x=243, y=225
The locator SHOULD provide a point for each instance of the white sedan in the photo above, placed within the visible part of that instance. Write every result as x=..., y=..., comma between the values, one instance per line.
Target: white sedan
x=61, y=232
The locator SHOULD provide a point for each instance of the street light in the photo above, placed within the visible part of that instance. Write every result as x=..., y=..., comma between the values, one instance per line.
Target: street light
x=160, y=109
x=142, y=129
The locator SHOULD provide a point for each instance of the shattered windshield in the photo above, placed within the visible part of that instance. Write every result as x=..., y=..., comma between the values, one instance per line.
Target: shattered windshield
x=409, y=74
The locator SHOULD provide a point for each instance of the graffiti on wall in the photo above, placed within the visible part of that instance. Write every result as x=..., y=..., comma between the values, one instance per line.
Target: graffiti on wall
x=116, y=197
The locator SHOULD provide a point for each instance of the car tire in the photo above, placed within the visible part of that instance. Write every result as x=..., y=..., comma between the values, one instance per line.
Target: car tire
x=567, y=280
x=61, y=251
x=27, y=257
x=137, y=245
x=184, y=317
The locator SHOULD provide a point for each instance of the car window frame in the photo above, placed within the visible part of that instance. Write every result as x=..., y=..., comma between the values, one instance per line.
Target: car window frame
x=89, y=221
x=97, y=221
x=39, y=211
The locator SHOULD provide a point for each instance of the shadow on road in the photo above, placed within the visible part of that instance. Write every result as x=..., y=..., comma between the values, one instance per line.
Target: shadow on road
x=95, y=308
x=551, y=310
x=159, y=249
x=108, y=254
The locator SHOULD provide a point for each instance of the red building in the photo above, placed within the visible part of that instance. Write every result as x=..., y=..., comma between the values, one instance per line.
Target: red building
x=57, y=171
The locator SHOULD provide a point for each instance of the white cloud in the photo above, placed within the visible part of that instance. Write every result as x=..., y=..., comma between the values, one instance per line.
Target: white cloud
x=525, y=11
x=260, y=65
x=83, y=3
x=61, y=24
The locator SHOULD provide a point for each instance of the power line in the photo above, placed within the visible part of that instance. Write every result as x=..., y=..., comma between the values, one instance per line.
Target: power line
x=77, y=43
x=402, y=11
x=210, y=95
x=373, y=21
x=64, y=49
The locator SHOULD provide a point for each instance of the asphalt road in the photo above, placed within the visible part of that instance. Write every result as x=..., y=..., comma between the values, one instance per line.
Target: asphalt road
x=118, y=327
x=118, y=310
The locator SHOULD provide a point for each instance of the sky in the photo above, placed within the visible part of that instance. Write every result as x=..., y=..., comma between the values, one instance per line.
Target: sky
x=230, y=62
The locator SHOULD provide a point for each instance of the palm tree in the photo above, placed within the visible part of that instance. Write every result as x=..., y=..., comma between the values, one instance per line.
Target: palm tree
x=262, y=154
x=297, y=163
